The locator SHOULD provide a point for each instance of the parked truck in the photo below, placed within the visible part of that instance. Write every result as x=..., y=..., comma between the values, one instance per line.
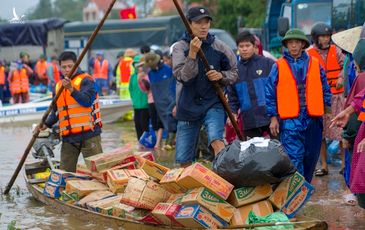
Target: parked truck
x=284, y=14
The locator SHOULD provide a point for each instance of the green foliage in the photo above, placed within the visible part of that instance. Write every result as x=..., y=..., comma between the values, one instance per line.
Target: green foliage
x=12, y=225
x=42, y=10
x=227, y=12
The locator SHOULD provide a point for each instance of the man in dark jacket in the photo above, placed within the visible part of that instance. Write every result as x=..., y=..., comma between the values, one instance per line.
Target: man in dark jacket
x=78, y=113
x=198, y=102
x=248, y=94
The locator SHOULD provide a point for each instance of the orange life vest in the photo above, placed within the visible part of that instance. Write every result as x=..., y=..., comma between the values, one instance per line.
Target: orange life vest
x=101, y=70
x=73, y=117
x=125, y=66
x=41, y=69
x=287, y=91
x=2, y=75
x=361, y=116
x=331, y=66
x=56, y=72
x=19, y=82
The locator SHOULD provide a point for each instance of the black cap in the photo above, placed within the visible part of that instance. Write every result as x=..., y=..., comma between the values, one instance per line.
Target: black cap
x=197, y=13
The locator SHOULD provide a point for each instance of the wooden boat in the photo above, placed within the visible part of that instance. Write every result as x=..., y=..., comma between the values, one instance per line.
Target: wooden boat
x=111, y=221
x=112, y=108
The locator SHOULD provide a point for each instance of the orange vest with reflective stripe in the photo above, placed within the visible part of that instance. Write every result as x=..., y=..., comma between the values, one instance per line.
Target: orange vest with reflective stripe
x=41, y=69
x=19, y=82
x=331, y=66
x=125, y=66
x=73, y=117
x=2, y=75
x=287, y=91
x=101, y=70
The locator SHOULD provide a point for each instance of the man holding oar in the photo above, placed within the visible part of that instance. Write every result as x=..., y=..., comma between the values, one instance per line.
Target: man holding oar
x=198, y=103
x=77, y=109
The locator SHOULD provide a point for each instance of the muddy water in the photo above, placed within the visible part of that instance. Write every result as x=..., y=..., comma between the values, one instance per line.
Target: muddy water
x=19, y=207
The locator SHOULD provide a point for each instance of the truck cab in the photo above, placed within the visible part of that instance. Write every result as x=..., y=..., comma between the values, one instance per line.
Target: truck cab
x=303, y=14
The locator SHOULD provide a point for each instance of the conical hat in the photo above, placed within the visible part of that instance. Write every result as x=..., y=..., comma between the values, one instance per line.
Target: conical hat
x=347, y=39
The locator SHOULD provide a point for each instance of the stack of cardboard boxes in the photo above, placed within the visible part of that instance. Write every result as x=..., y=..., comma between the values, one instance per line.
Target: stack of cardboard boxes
x=132, y=186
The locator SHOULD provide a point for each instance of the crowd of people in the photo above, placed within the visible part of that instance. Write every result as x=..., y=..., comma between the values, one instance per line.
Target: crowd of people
x=313, y=93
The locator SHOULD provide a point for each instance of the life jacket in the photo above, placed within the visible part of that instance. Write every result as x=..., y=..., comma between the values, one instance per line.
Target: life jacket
x=56, y=72
x=332, y=68
x=126, y=69
x=73, y=117
x=288, y=98
x=361, y=116
x=19, y=82
x=101, y=70
x=41, y=69
x=2, y=75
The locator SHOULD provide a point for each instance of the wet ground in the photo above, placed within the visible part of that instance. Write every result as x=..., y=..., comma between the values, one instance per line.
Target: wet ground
x=21, y=210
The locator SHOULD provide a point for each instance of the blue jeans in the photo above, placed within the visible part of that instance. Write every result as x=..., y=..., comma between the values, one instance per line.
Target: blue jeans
x=188, y=134
x=100, y=84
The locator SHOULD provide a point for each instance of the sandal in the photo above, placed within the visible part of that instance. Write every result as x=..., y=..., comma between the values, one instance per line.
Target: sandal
x=350, y=199
x=321, y=172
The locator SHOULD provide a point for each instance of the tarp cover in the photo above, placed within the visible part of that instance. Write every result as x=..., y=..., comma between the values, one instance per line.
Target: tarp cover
x=32, y=32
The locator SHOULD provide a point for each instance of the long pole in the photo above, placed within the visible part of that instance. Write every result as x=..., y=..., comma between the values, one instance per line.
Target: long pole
x=215, y=84
x=53, y=103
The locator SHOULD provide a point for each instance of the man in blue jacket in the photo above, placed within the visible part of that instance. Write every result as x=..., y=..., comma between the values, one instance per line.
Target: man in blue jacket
x=78, y=113
x=198, y=102
x=296, y=94
x=248, y=93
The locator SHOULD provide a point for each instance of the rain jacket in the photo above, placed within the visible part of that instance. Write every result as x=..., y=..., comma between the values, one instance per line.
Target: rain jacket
x=248, y=93
x=299, y=70
x=197, y=94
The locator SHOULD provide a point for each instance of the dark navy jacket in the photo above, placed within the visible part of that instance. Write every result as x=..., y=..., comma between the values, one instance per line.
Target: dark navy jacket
x=84, y=97
x=248, y=94
x=197, y=94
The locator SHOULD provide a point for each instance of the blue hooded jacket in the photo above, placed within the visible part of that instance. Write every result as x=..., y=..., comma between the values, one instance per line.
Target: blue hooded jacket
x=299, y=69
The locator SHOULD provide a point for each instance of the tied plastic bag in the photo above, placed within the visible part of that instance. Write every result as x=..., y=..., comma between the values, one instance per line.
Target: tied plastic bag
x=271, y=218
x=148, y=138
x=257, y=164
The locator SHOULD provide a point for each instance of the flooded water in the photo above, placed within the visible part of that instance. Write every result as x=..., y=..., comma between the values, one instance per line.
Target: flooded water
x=24, y=212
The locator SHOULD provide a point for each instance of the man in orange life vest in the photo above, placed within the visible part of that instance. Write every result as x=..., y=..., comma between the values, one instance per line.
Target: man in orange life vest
x=296, y=95
x=40, y=70
x=53, y=72
x=2, y=80
x=331, y=59
x=19, y=82
x=78, y=113
x=103, y=73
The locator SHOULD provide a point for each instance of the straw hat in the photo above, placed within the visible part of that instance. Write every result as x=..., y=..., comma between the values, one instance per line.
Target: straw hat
x=130, y=53
x=152, y=59
x=347, y=39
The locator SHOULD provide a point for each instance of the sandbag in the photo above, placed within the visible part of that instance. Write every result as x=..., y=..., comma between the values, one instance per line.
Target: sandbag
x=255, y=165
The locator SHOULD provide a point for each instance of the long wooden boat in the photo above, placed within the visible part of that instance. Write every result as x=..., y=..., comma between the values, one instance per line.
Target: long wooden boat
x=112, y=108
x=114, y=222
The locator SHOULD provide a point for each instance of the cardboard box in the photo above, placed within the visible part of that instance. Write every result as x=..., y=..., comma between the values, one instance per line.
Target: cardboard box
x=175, y=198
x=197, y=175
x=195, y=216
x=104, y=206
x=94, y=196
x=117, y=180
x=82, y=169
x=147, y=155
x=131, y=213
x=247, y=195
x=144, y=193
x=261, y=208
x=69, y=198
x=121, y=210
x=297, y=201
x=286, y=189
x=102, y=176
x=59, y=177
x=84, y=187
x=210, y=201
x=169, y=181
x=52, y=190
x=104, y=161
x=152, y=169
x=166, y=212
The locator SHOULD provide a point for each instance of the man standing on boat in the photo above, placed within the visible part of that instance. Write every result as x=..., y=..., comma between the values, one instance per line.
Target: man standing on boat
x=296, y=95
x=19, y=82
x=103, y=73
x=78, y=112
x=198, y=102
